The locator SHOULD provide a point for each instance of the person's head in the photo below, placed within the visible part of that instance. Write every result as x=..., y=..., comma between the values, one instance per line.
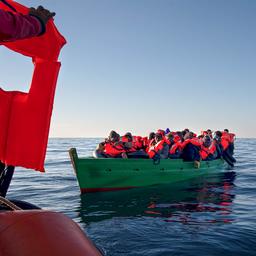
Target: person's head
x=114, y=136
x=101, y=146
x=128, y=136
x=158, y=137
x=151, y=136
x=179, y=133
x=207, y=141
x=188, y=135
x=169, y=136
x=183, y=133
x=218, y=133
x=226, y=130
x=209, y=131
x=162, y=132
x=217, y=139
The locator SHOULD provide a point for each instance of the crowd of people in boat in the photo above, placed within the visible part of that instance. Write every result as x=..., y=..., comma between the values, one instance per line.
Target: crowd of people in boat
x=164, y=144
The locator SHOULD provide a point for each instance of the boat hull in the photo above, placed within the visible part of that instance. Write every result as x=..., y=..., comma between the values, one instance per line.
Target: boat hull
x=106, y=174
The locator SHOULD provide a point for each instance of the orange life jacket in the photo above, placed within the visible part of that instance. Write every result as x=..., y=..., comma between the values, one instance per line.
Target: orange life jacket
x=155, y=149
x=225, y=140
x=176, y=138
x=113, y=150
x=230, y=137
x=205, y=152
x=150, y=144
x=25, y=117
x=137, y=142
x=176, y=146
x=195, y=141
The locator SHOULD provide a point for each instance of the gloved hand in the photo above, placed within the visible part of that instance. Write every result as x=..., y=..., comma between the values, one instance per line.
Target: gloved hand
x=41, y=13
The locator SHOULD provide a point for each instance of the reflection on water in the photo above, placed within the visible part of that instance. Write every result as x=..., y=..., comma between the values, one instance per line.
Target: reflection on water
x=185, y=202
x=212, y=215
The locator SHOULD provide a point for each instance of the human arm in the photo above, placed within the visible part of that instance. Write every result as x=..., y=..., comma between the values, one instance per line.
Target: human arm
x=15, y=26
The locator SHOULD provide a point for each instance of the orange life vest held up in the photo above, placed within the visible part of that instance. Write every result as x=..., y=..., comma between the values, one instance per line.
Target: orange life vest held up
x=25, y=117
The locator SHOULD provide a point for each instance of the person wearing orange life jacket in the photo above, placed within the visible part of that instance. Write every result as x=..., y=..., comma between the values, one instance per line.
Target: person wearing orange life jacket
x=224, y=140
x=231, y=139
x=162, y=132
x=114, y=147
x=177, y=136
x=138, y=142
x=208, y=149
x=149, y=141
x=160, y=149
x=229, y=151
x=223, y=147
x=175, y=149
x=189, y=138
x=128, y=142
x=190, y=149
x=133, y=146
x=16, y=26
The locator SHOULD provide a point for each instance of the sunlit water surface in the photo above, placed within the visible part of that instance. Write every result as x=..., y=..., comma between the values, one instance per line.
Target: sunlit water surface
x=214, y=215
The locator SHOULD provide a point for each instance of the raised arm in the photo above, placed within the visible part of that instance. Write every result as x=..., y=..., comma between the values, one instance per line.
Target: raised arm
x=15, y=26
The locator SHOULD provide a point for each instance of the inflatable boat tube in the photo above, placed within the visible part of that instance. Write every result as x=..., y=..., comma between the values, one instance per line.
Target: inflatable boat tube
x=42, y=233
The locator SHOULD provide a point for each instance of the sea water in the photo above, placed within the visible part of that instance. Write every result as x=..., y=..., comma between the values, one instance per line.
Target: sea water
x=212, y=215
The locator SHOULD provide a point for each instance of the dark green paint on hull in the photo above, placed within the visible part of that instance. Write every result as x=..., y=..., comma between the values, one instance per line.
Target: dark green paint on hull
x=104, y=174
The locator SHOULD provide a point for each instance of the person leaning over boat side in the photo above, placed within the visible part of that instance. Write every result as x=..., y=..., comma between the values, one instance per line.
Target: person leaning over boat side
x=225, y=145
x=114, y=147
x=99, y=151
x=16, y=26
x=231, y=139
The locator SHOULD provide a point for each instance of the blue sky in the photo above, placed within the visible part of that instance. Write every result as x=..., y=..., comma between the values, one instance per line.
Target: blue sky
x=140, y=65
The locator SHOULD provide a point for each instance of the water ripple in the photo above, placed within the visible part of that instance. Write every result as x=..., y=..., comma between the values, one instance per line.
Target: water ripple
x=215, y=215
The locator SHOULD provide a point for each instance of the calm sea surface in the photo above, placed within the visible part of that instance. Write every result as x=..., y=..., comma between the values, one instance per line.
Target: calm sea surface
x=214, y=215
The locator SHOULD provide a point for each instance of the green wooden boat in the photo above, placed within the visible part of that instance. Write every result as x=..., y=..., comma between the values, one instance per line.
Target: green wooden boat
x=105, y=174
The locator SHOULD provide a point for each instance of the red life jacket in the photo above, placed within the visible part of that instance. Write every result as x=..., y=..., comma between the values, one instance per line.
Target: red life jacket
x=167, y=141
x=205, y=152
x=25, y=117
x=150, y=144
x=224, y=143
x=176, y=146
x=113, y=150
x=195, y=141
x=204, y=133
x=137, y=142
x=161, y=132
x=230, y=137
x=176, y=138
x=155, y=149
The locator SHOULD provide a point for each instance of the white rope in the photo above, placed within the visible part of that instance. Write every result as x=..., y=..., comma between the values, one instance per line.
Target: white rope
x=8, y=203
